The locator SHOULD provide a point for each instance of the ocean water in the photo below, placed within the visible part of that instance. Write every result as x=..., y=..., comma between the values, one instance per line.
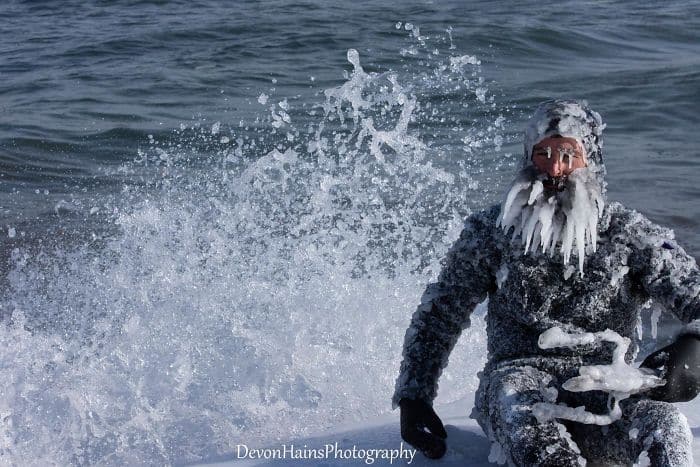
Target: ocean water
x=216, y=219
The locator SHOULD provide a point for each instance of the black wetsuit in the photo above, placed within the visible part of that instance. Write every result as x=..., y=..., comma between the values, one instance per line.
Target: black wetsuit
x=636, y=260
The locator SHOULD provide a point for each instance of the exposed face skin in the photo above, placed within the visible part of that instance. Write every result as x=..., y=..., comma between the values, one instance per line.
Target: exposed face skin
x=558, y=157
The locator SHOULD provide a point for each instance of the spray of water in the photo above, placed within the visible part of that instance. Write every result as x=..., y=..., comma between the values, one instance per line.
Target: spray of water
x=258, y=285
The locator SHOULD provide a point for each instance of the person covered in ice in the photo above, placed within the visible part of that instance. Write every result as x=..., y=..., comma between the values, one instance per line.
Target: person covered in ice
x=554, y=254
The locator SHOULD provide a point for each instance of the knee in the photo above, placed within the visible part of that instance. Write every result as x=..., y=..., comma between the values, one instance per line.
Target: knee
x=520, y=385
x=652, y=416
x=663, y=433
x=510, y=396
x=544, y=445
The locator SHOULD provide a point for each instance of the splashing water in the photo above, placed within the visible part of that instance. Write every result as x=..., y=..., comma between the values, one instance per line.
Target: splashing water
x=259, y=283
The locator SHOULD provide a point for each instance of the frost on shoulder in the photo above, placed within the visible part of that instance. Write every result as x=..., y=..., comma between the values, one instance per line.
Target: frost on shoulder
x=618, y=379
x=668, y=274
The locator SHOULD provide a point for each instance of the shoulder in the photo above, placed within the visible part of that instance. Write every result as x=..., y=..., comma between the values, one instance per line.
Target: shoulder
x=478, y=230
x=635, y=228
x=480, y=224
x=475, y=252
x=486, y=218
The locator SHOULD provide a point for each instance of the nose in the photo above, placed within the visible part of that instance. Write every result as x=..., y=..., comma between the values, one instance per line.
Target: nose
x=555, y=167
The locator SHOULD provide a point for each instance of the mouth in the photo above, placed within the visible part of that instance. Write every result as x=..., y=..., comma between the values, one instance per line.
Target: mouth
x=554, y=183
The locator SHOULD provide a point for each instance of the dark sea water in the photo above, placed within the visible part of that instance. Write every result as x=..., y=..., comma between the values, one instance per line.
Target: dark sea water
x=83, y=83
x=209, y=213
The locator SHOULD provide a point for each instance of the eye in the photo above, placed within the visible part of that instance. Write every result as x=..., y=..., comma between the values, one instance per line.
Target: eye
x=566, y=152
x=543, y=152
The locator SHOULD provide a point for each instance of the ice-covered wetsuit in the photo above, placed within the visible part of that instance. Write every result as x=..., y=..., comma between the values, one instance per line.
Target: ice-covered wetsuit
x=635, y=260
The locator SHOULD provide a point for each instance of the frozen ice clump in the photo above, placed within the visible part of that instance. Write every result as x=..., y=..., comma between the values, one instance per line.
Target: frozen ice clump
x=655, y=315
x=502, y=274
x=618, y=379
x=497, y=455
x=618, y=274
x=643, y=460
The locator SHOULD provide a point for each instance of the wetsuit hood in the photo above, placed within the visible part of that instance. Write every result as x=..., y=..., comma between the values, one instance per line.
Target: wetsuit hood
x=568, y=118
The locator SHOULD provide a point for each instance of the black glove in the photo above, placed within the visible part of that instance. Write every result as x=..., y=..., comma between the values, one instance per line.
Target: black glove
x=417, y=415
x=680, y=367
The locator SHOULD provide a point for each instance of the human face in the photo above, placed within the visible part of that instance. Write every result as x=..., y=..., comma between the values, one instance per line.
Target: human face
x=558, y=156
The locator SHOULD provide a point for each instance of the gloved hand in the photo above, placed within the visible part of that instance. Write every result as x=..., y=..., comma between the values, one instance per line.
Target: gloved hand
x=680, y=367
x=417, y=415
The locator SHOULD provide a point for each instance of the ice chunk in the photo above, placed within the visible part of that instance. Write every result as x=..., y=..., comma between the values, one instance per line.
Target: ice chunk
x=501, y=274
x=556, y=337
x=643, y=460
x=568, y=271
x=567, y=436
x=618, y=379
x=655, y=315
x=497, y=455
x=618, y=274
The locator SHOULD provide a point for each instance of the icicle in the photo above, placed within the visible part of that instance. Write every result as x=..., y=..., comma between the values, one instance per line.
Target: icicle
x=593, y=232
x=567, y=242
x=527, y=213
x=518, y=187
x=537, y=189
x=546, y=215
x=580, y=245
x=567, y=220
x=578, y=213
x=510, y=219
x=530, y=227
x=536, y=237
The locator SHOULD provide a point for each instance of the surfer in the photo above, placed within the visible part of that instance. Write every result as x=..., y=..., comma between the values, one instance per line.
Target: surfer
x=555, y=254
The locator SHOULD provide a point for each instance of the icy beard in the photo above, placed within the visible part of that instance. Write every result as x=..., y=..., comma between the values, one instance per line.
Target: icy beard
x=549, y=219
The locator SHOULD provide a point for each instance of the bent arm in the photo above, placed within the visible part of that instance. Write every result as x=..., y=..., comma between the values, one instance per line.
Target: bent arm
x=444, y=312
x=667, y=273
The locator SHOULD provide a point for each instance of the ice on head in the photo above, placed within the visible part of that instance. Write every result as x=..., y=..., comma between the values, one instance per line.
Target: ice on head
x=551, y=222
x=568, y=118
